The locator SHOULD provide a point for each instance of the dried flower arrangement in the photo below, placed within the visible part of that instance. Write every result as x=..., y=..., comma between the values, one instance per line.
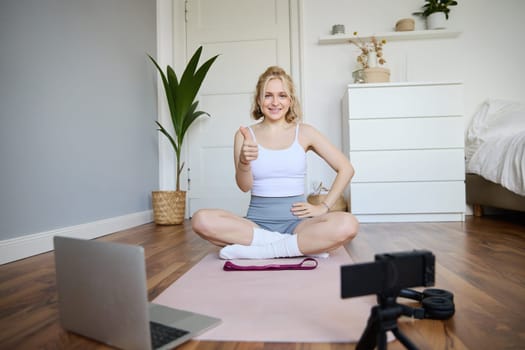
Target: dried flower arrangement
x=369, y=46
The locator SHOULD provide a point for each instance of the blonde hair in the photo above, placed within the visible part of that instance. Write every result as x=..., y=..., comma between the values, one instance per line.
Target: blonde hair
x=274, y=72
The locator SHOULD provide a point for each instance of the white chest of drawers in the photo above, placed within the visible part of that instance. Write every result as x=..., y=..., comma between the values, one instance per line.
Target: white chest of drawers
x=405, y=141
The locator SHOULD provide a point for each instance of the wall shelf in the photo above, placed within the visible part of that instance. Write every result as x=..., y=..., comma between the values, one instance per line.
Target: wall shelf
x=391, y=36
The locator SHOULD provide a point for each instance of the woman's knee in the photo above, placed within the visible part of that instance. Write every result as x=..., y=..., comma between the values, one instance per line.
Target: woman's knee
x=347, y=226
x=200, y=221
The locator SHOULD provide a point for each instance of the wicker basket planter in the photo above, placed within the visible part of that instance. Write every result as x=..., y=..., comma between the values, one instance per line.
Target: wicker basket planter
x=169, y=207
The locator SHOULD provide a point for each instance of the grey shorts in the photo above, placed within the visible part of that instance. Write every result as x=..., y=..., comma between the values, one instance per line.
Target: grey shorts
x=274, y=213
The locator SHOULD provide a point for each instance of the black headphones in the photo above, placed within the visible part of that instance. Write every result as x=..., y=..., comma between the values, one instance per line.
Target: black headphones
x=437, y=304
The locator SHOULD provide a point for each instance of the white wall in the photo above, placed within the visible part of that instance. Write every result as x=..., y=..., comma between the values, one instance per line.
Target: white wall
x=487, y=56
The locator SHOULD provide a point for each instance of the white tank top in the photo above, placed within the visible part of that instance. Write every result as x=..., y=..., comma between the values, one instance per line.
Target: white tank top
x=279, y=173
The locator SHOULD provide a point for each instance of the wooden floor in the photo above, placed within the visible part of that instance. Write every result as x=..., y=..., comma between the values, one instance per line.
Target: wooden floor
x=482, y=261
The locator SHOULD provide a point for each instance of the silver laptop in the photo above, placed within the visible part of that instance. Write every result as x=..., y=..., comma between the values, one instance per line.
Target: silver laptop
x=102, y=294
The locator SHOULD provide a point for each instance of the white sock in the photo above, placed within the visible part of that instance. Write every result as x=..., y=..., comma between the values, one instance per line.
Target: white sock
x=284, y=248
x=319, y=255
x=264, y=237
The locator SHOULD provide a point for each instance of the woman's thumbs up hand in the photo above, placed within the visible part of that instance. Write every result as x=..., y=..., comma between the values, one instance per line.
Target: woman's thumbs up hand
x=249, y=150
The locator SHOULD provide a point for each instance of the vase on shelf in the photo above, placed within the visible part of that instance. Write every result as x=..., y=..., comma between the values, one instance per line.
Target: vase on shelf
x=371, y=59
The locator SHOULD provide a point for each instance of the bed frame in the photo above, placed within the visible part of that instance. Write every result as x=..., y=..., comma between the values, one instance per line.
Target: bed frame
x=481, y=192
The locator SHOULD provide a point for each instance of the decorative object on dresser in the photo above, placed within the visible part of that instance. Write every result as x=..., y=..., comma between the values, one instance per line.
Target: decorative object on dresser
x=406, y=142
x=495, y=156
x=319, y=195
x=436, y=13
x=377, y=75
x=169, y=207
x=370, y=59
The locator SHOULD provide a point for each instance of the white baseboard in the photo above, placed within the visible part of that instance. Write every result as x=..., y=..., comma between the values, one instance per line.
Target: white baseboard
x=432, y=217
x=29, y=245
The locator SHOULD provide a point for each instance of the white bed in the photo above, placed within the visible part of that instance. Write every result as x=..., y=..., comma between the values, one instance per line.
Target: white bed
x=495, y=156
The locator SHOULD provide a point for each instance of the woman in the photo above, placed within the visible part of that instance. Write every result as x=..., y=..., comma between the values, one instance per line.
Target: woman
x=270, y=161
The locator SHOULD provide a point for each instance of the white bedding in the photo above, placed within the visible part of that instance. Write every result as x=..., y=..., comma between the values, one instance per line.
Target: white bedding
x=502, y=161
x=495, y=144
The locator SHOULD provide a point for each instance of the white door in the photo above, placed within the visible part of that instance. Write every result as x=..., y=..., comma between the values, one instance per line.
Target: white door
x=249, y=36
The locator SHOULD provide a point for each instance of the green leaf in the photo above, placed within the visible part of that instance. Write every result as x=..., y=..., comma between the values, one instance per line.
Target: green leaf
x=170, y=138
x=191, y=116
x=199, y=77
x=168, y=90
x=192, y=79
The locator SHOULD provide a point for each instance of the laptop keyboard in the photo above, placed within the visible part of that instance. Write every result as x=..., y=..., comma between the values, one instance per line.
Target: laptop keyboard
x=162, y=334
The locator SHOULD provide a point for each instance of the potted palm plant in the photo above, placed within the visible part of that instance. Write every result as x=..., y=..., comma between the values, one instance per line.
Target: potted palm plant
x=436, y=12
x=169, y=207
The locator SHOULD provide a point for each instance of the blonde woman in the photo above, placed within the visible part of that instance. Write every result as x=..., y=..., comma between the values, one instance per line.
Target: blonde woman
x=270, y=162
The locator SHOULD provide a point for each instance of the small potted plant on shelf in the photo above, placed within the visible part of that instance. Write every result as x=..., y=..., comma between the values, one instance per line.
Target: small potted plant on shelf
x=169, y=207
x=436, y=12
x=371, y=59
